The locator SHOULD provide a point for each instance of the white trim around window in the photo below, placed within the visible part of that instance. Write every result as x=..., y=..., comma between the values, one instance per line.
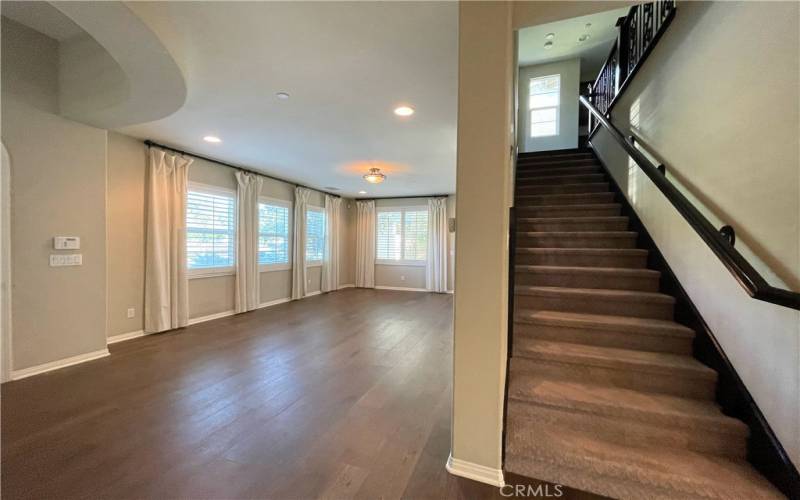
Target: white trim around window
x=213, y=191
x=400, y=261
x=284, y=266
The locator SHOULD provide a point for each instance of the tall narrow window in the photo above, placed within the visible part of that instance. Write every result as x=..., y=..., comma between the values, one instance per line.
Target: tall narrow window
x=315, y=236
x=544, y=101
x=210, y=229
x=274, y=221
x=402, y=236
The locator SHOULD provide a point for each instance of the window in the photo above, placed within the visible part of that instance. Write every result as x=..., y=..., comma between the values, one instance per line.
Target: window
x=210, y=230
x=273, y=234
x=315, y=236
x=402, y=236
x=544, y=100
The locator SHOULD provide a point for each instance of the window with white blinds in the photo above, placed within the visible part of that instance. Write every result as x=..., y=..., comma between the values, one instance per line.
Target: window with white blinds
x=210, y=229
x=273, y=233
x=402, y=236
x=544, y=101
x=315, y=236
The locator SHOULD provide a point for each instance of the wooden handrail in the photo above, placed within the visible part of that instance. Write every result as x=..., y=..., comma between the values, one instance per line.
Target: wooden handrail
x=750, y=279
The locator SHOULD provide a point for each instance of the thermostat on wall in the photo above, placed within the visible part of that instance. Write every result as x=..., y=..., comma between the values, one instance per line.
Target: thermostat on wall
x=66, y=242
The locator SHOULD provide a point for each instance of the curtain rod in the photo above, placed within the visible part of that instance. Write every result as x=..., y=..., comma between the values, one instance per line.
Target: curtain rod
x=404, y=197
x=150, y=143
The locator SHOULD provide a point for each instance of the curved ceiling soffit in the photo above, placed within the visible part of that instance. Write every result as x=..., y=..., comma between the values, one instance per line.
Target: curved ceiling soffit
x=152, y=86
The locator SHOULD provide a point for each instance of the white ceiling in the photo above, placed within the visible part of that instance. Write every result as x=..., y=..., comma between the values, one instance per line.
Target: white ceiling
x=42, y=17
x=346, y=66
x=592, y=52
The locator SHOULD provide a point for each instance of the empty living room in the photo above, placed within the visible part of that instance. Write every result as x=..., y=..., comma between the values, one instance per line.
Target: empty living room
x=464, y=250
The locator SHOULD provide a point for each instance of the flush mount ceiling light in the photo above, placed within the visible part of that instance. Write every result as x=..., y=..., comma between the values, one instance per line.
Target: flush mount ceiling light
x=549, y=36
x=212, y=138
x=548, y=45
x=404, y=111
x=282, y=95
x=374, y=176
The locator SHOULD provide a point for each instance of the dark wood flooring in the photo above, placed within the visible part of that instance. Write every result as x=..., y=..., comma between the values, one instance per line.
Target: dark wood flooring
x=344, y=395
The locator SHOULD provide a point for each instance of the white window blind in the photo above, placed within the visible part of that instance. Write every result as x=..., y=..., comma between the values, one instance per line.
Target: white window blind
x=402, y=236
x=544, y=101
x=210, y=229
x=273, y=233
x=315, y=235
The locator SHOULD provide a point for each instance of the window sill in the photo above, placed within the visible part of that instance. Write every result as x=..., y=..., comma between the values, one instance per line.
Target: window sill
x=210, y=273
x=268, y=268
x=405, y=263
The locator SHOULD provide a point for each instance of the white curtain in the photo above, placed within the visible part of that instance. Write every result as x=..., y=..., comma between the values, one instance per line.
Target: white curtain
x=299, y=243
x=247, y=275
x=166, y=303
x=365, y=244
x=330, y=263
x=436, y=266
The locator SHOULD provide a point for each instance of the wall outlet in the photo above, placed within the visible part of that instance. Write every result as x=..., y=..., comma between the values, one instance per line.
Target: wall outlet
x=131, y=312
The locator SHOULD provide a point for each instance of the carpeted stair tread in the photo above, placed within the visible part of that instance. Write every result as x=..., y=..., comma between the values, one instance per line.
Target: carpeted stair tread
x=596, y=294
x=625, y=271
x=589, y=168
x=560, y=179
x=580, y=188
x=594, y=252
x=627, y=324
x=576, y=220
x=646, y=407
x=545, y=209
x=609, y=357
x=550, y=452
x=533, y=200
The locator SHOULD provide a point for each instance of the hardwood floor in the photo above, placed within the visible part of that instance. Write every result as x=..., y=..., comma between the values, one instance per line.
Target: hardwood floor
x=343, y=395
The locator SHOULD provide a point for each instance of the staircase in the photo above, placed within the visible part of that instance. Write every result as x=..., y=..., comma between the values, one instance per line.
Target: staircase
x=604, y=395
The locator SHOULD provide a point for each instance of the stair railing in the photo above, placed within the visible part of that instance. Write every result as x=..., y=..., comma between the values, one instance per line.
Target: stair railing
x=718, y=240
x=639, y=32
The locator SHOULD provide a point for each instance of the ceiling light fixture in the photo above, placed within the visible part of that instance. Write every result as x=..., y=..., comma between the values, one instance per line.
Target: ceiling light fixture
x=374, y=176
x=212, y=138
x=548, y=45
x=549, y=36
x=404, y=111
x=282, y=95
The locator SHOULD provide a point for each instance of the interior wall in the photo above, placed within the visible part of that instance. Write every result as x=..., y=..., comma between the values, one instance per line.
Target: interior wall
x=736, y=154
x=58, y=188
x=207, y=295
x=567, y=138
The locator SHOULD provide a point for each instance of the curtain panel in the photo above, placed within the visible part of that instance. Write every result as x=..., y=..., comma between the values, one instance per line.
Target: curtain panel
x=166, y=296
x=330, y=263
x=301, y=196
x=247, y=273
x=436, y=265
x=365, y=244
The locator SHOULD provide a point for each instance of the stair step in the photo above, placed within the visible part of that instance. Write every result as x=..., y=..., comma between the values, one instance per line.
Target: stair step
x=594, y=187
x=553, y=453
x=582, y=257
x=613, y=223
x=545, y=211
x=549, y=180
x=577, y=239
x=588, y=277
x=622, y=332
x=580, y=169
x=626, y=417
x=663, y=373
x=531, y=200
x=595, y=301
x=555, y=162
x=555, y=153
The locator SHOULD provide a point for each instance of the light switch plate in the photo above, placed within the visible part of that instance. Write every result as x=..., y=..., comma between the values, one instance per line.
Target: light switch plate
x=66, y=242
x=59, y=260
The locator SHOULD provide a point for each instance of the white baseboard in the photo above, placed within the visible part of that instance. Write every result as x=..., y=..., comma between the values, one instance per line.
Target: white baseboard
x=55, y=365
x=349, y=285
x=274, y=302
x=124, y=336
x=203, y=319
x=402, y=289
x=480, y=473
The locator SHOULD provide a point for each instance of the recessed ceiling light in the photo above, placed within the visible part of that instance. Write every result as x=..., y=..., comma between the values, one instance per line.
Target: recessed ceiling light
x=548, y=45
x=282, y=95
x=362, y=192
x=212, y=138
x=404, y=111
x=549, y=36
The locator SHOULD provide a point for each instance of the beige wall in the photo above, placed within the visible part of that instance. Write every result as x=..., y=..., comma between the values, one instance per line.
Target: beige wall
x=207, y=295
x=736, y=154
x=570, y=72
x=58, y=187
